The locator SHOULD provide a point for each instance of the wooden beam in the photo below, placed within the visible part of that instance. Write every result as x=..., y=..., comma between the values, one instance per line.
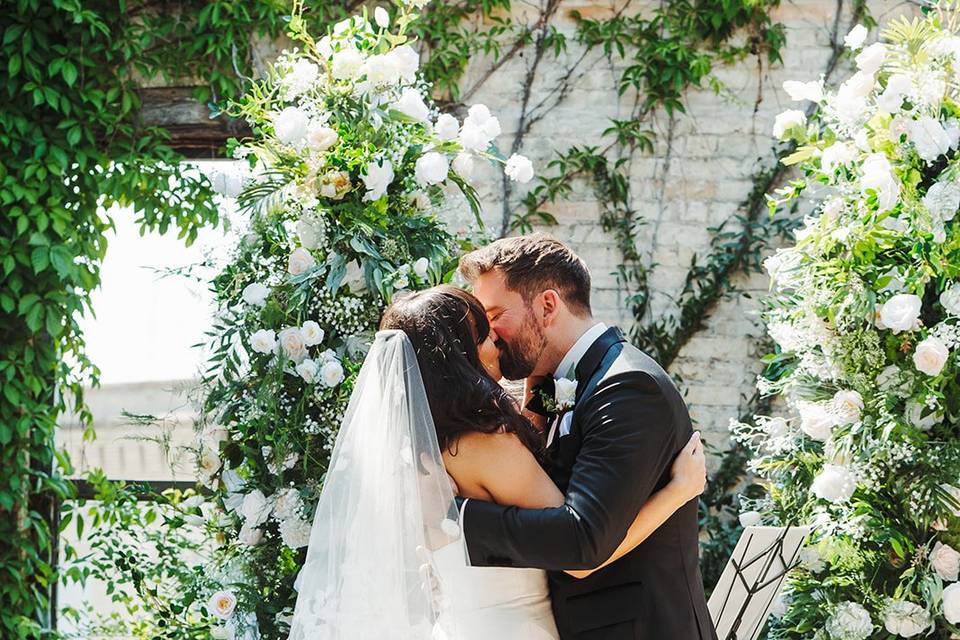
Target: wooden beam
x=192, y=131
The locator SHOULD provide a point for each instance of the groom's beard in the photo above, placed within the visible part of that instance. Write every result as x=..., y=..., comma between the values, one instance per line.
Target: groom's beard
x=519, y=357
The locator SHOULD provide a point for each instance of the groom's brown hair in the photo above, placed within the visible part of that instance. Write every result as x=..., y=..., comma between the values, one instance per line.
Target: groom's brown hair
x=531, y=264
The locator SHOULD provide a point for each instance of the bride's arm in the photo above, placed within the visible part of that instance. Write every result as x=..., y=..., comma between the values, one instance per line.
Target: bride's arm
x=688, y=477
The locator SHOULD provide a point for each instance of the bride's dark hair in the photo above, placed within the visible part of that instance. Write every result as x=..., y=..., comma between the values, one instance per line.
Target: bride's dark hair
x=446, y=325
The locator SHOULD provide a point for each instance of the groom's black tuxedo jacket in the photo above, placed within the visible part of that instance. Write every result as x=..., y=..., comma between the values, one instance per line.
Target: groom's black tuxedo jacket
x=629, y=424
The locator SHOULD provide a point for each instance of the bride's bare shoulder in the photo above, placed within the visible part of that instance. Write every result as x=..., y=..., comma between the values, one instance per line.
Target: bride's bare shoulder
x=474, y=445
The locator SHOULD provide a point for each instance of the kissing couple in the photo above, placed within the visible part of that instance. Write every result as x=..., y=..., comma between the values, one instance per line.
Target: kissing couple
x=451, y=510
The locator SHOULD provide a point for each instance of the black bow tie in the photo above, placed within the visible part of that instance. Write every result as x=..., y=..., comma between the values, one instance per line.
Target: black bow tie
x=547, y=388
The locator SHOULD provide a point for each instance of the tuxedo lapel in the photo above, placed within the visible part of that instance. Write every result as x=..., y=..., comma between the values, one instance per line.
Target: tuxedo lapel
x=594, y=356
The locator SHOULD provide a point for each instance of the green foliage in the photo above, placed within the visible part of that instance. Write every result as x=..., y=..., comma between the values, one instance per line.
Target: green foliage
x=71, y=143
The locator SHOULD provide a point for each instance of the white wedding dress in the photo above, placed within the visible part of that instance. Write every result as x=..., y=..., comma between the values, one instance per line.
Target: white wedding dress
x=493, y=603
x=386, y=558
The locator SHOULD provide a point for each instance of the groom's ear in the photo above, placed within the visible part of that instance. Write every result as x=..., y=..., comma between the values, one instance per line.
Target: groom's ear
x=551, y=305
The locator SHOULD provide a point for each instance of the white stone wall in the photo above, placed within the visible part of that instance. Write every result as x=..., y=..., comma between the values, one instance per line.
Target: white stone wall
x=698, y=176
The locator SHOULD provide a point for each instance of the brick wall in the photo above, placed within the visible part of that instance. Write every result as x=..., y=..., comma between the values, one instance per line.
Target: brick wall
x=697, y=177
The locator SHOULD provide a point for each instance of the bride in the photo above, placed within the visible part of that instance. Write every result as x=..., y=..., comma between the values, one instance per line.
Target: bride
x=385, y=558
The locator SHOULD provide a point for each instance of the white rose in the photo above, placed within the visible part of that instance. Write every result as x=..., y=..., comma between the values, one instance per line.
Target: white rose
x=850, y=621
x=346, y=63
x=929, y=137
x=463, y=165
x=290, y=125
x=474, y=138
x=816, y=421
x=836, y=155
x=951, y=603
x=943, y=199
x=381, y=17
x=931, y=356
x=898, y=86
x=332, y=373
x=376, y=179
x=308, y=370
x=300, y=260
x=412, y=105
x=322, y=138
x=859, y=85
x=255, y=508
x=312, y=333
x=854, y=39
x=835, y=483
x=945, y=560
x=293, y=345
x=950, y=299
x=431, y=168
x=295, y=533
x=222, y=604
x=227, y=183
x=519, y=168
x=250, y=536
x=901, y=312
x=786, y=121
x=406, y=61
x=255, y=294
x=798, y=91
x=878, y=175
x=871, y=58
x=479, y=128
x=479, y=115
x=263, y=341
x=447, y=127
x=847, y=405
x=905, y=619
x=749, y=518
x=565, y=392
x=421, y=267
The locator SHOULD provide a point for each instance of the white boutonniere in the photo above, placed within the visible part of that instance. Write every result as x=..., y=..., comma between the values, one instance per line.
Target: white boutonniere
x=565, y=394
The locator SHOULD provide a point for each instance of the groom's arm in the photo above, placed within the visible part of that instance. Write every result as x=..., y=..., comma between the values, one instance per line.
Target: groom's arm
x=629, y=441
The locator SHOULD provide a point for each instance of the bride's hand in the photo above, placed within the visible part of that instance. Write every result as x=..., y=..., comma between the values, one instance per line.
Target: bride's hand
x=689, y=472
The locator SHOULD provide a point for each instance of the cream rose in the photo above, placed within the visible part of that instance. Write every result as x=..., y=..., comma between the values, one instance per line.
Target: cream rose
x=951, y=603
x=931, y=356
x=446, y=127
x=798, y=91
x=376, y=179
x=312, y=333
x=331, y=373
x=308, y=370
x=905, y=619
x=816, y=421
x=293, y=345
x=412, y=105
x=300, y=260
x=945, y=560
x=222, y=604
x=847, y=405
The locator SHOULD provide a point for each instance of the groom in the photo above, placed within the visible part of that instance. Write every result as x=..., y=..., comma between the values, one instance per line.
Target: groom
x=608, y=455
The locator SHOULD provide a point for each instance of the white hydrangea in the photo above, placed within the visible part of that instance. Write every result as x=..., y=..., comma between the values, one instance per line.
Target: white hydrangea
x=850, y=621
x=519, y=168
x=290, y=125
x=905, y=619
x=255, y=294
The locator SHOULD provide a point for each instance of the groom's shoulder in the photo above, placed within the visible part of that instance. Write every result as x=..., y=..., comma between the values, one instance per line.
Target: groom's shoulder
x=626, y=370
